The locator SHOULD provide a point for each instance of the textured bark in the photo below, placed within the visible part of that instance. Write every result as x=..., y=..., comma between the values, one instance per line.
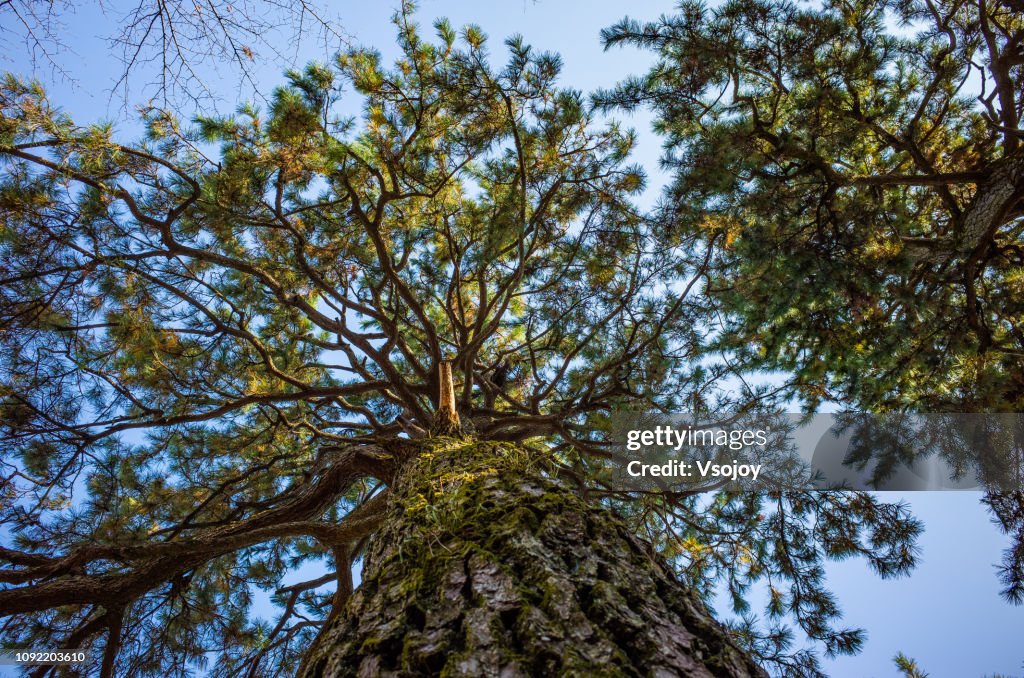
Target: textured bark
x=485, y=566
x=996, y=201
x=446, y=418
x=995, y=198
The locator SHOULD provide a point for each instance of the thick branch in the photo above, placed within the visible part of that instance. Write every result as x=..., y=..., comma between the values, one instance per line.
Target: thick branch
x=153, y=564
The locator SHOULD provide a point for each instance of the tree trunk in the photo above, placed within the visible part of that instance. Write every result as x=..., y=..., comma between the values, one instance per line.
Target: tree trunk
x=485, y=566
x=446, y=417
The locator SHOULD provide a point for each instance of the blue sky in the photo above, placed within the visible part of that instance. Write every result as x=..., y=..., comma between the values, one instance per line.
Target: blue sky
x=947, y=615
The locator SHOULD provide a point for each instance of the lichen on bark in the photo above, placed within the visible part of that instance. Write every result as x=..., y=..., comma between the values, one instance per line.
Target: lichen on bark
x=488, y=566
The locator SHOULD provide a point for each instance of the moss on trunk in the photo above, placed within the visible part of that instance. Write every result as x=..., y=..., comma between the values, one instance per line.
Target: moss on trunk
x=485, y=566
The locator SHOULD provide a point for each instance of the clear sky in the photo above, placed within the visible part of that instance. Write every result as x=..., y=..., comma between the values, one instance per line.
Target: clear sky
x=947, y=614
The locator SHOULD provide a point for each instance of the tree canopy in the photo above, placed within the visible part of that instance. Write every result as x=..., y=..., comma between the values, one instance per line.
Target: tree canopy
x=216, y=341
x=855, y=170
x=858, y=166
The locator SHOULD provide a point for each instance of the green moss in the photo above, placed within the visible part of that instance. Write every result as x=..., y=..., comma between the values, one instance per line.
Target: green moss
x=486, y=563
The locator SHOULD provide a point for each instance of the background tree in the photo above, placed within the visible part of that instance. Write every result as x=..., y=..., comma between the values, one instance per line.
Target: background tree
x=166, y=47
x=221, y=364
x=865, y=184
x=855, y=173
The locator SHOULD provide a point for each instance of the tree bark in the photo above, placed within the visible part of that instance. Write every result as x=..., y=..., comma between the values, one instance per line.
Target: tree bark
x=995, y=202
x=487, y=566
x=446, y=418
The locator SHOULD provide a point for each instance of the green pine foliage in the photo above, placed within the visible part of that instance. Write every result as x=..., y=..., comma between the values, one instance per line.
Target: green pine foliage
x=908, y=667
x=855, y=172
x=214, y=340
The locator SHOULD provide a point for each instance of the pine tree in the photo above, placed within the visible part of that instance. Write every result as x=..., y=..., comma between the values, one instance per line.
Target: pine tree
x=855, y=174
x=283, y=338
x=860, y=189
